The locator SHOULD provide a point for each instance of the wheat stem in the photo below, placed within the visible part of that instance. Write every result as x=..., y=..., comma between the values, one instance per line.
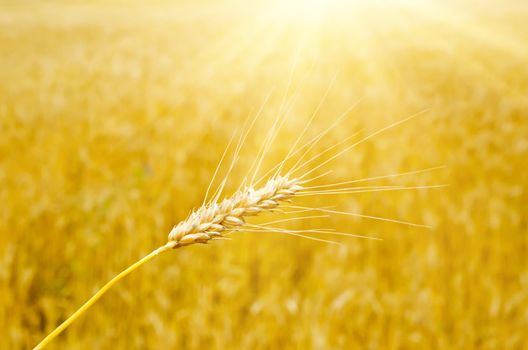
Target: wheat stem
x=208, y=222
x=100, y=293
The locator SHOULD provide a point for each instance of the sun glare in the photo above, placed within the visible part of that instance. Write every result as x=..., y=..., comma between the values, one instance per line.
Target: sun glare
x=312, y=12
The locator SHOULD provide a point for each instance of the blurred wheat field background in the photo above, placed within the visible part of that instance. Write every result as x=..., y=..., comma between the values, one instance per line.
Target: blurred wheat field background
x=114, y=115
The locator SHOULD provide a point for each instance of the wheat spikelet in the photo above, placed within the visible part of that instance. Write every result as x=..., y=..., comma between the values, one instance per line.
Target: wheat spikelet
x=213, y=220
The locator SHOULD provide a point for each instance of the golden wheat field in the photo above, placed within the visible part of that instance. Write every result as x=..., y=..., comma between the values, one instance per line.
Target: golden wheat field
x=115, y=114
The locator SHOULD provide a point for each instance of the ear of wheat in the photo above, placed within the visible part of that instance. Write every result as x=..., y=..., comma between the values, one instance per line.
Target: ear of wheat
x=210, y=221
x=214, y=219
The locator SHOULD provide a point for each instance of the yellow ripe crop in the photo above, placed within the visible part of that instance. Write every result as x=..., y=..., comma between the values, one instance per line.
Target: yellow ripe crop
x=114, y=116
